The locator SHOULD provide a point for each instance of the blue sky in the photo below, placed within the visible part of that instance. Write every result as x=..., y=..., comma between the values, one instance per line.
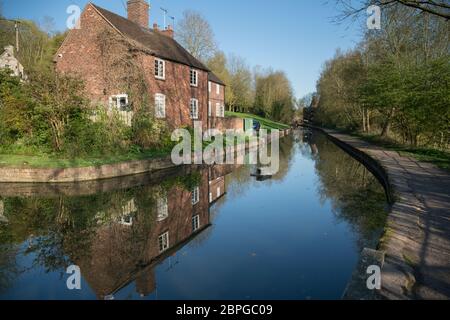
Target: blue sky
x=296, y=36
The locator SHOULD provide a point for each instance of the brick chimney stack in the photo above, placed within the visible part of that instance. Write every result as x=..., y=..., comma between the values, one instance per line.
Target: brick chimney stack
x=138, y=12
x=168, y=32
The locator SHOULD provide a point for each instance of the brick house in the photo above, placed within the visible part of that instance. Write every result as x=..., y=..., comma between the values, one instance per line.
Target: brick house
x=176, y=83
x=130, y=249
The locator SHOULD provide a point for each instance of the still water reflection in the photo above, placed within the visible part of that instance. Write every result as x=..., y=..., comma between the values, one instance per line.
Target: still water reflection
x=196, y=233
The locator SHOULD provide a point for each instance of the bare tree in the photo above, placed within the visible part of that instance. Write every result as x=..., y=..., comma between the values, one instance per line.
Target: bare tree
x=240, y=84
x=352, y=8
x=196, y=35
x=47, y=24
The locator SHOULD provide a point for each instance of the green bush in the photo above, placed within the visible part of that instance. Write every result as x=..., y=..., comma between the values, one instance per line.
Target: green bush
x=149, y=132
x=98, y=135
x=49, y=115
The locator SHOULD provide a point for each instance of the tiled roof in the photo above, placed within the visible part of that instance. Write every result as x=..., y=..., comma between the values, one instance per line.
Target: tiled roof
x=160, y=45
x=213, y=78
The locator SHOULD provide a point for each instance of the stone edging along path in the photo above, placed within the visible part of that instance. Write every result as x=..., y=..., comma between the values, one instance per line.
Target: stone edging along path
x=415, y=250
x=81, y=174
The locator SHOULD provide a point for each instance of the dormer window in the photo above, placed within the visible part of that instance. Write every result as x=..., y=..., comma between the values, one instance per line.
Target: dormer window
x=160, y=69
x=194, y=78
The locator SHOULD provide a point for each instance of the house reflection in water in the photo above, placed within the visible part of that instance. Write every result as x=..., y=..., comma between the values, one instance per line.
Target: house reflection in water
x=216, y=183
x=140, y=237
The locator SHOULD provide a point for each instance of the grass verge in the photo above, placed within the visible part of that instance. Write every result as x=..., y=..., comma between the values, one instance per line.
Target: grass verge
x=437, y=157
x=265, y=123
x=47, y=161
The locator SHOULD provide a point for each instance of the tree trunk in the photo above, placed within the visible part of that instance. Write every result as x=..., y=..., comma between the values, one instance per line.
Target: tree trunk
x=387, y=124
x=363, y=120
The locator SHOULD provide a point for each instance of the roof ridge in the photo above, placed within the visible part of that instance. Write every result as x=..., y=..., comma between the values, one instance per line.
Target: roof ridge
x=120, y=17
x=167, y=47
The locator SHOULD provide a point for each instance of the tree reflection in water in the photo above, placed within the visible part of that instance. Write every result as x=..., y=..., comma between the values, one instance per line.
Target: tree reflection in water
x=119, y=230
x=356, y=195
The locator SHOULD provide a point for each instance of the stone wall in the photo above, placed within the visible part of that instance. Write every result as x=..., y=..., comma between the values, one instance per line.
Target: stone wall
x=35, y=175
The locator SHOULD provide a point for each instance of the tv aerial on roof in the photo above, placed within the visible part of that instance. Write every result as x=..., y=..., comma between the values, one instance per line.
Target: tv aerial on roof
x=165, y=14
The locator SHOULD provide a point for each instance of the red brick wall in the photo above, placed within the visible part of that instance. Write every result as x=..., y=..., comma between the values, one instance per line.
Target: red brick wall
x=178, y=91
x=120, y=252
x=81, y=55
x=223, y=124
x=216, y=189
x=216, y=98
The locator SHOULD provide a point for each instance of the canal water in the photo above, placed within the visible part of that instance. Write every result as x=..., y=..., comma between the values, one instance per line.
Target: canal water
x=196, y=233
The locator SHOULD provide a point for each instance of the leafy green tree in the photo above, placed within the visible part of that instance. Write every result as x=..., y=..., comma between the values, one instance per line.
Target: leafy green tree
x=59, y=100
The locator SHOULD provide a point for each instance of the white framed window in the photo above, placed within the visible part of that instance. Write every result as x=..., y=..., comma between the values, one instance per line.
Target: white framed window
x=195, y=223
x=194, y=109
x=127, y=220
x=209, y=86
x=160, y=69
x=194, y=78
x=217, y=88
x=210, y=197
x=119, y=102
x=128, y=212
x=209, y=109
x=160, y=106
x=163, y=242
x=162, y=209
x=218, y=192
x=217, y=109
x=195, y=195
x=220, y=110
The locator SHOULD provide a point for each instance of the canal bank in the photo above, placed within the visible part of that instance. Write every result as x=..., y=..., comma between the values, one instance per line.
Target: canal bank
x=415, y=249
x=92, y=173
x=297, y=235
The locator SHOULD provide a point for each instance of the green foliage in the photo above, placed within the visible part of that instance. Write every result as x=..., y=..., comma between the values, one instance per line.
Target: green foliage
x=106, y=135
x=149, y=132
x=15, y=118
x=47, y=120
x=37, y=47
x=267, y=93
x=265, y=123
x=274, y=97
x=395, y=84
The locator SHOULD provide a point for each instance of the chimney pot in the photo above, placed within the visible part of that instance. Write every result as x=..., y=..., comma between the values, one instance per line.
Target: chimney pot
x=168, y=32
x=138, y=12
